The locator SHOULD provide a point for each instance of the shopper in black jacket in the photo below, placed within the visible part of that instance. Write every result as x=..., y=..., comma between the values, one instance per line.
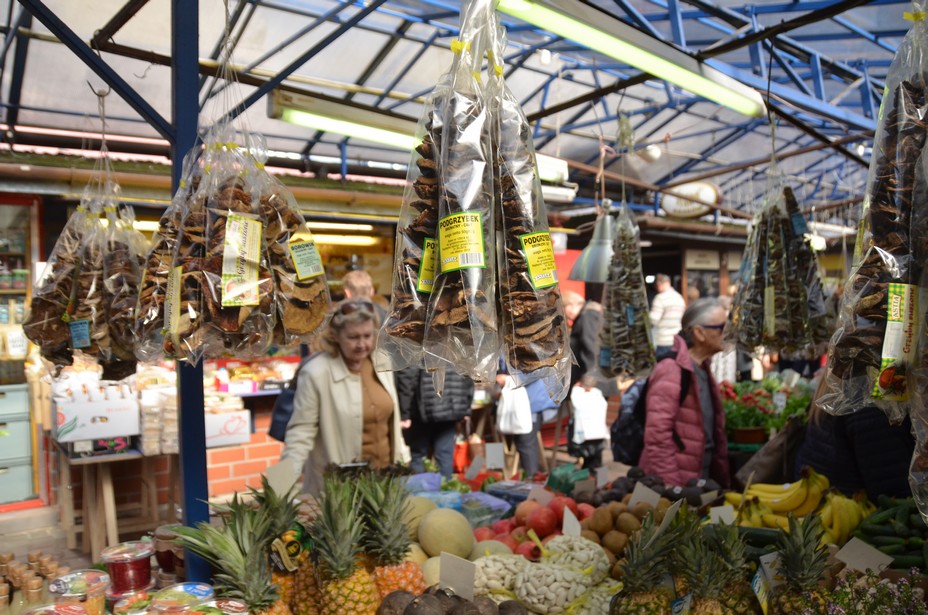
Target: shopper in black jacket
x=434, y=419
x=859, y=451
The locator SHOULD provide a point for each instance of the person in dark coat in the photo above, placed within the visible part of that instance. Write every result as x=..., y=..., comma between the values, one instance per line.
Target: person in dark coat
x=859, y=451
x=587, y=319
x=434, y=419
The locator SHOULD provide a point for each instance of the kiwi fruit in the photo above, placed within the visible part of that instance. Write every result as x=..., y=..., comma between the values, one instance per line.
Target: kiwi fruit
x=591, y=535
x=395, y=603
x=641, y=509
x=627, y=523
x=615, y=574
x=627, y=498
x=464, y=607
x=617, y=508
x=601, y=521
x=611, y=556
x=585, y=524
x=615, y=541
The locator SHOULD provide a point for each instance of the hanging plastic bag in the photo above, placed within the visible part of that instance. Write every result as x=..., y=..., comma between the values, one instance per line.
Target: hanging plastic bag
x=237, y=284
x=150, y=322
x=125, y=249
x=86, y=315
x=532, y=321
x=46, y=325
x=873, y=351
x=301, y=290
x=461, y=324
x=626, y=347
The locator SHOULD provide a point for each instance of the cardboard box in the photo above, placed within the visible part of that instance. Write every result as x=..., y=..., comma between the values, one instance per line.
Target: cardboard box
x=225, y=428
x=94, y=420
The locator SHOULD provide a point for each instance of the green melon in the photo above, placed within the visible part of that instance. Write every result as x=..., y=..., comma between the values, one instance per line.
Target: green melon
x=444, y=529
x=416, y=509
x=431, y=570
x=488, y=547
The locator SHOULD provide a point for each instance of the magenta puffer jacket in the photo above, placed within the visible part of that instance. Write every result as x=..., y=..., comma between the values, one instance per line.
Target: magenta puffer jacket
x=661, y=456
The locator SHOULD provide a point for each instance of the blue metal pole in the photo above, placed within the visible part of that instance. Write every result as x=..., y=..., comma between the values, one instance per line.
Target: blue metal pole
x=184, y=46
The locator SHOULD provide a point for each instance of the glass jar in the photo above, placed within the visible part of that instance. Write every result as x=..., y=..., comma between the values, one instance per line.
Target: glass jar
x=164, y=546
x=86, y=588
x=129, y=565
x=180, y=598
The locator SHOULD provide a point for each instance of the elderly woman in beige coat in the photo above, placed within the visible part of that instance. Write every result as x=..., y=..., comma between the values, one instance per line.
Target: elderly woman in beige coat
x=343, y=410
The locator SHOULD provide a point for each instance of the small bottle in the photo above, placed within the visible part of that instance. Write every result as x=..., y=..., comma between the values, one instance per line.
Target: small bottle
x=51, y=570
x=33, y=593
x=33, y=559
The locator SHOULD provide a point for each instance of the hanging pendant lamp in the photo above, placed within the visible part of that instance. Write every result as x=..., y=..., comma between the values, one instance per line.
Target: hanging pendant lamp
x=593, y=263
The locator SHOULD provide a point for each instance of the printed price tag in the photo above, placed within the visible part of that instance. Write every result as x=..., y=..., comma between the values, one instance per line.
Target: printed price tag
x=496, y=460
x=426, y=280
x=539, y=254
x=172, y=302
x=542, y=496
x=241, y=255
x=644, y=494
x=570, y=525
x=306, y=259
x=779, y=401
x=80, y=333
x=460, y=242
x=457, y=574
x=860, y=556
x=770, y=564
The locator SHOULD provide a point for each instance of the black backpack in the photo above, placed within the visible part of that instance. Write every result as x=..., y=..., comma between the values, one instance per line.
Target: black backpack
x=283, y=407
x=627, y=432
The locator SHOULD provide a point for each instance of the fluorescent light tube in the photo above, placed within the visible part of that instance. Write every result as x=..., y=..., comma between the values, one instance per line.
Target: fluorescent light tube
x=339, y=226
x=339, y=240
x=596, y=30
x=328, y=115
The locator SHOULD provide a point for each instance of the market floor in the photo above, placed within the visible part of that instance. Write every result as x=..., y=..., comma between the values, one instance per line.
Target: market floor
x=23, y=532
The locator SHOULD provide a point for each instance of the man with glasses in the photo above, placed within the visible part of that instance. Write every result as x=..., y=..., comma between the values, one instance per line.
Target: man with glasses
x=684, y=440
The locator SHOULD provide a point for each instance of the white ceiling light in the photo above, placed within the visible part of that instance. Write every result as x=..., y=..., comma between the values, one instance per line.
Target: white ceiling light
x=339, y=226
x=559, y=194
x=551, y=169
x=596, y=30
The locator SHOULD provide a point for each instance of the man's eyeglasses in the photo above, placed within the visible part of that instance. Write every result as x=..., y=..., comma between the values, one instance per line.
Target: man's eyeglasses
x=716, y=327
x=350, y=307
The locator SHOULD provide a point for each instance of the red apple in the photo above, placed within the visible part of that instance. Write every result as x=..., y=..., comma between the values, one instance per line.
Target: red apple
x=543, y=520
x=548, y=538
x=523, y=509
x=519, y=534
x=503, y=526
x=483, y=533
x=507, y=540
x=584, y=511
x=559, y=503
x=529, y=550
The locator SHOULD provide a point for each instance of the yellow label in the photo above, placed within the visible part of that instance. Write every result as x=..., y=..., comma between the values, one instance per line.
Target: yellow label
x=427, y=265
x=460, y=242
x=306, y=259
x=761, y=588
x=899, y=342
x=539, y=254
x=172, y=301
x=241, y=256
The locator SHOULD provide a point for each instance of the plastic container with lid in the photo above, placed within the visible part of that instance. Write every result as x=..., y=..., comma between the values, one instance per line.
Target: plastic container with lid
x=131, y=603
x=181, y=597
x=57, y=609
x=164, y=546
x=221, y=606
x=129, y=565
x=85, y=588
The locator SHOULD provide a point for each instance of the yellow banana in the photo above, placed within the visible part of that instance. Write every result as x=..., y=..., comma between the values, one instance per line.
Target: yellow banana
x=789, y=501
x=844, y=522
x=837, y=527
x=771, y=489
x=828, y=538
x=734, y=498
x=827, y=514
x=776, y=521
x=821, y=479
x=812, y=501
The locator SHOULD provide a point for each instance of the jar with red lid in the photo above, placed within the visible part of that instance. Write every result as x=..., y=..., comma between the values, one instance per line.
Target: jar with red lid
x=180, y=598
x=129, y=565
x=85, y=588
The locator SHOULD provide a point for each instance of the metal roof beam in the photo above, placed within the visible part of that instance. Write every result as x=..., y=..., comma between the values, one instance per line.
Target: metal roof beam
x=714, y=148
x=87, y=55
x=857, y=30
x=300, y=61
x=785, y=66
x=23, y=20
x=121, y=18
x=639, y=20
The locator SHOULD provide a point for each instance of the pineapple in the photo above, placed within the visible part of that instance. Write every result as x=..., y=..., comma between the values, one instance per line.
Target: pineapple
x=306, y=595
x=386, y=538
x=706, y=575
x=285, y=532
x=688, y=530
x=336, y=533
x=645, y=565
x=238, y=552
x=738, y=598
x=802, y=565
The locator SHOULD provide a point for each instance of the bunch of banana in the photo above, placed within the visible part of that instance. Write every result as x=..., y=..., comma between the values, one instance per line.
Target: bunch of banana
x=841, y=515
x=749, y=511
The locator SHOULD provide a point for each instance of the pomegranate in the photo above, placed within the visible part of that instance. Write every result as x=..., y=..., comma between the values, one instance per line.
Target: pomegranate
x=559, y=503
x=523, y=509
x=543, y=520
